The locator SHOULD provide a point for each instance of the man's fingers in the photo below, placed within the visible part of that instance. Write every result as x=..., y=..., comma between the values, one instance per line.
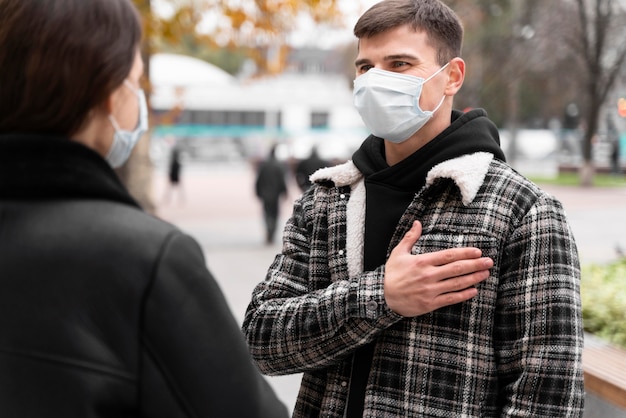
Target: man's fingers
x=453, y=255
x=462, y=270
x=456, y=284
x=411, y=237
x=453, y=298
x=459, y=289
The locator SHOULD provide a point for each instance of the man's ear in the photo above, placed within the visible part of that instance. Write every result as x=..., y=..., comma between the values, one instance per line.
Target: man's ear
x=456, y=76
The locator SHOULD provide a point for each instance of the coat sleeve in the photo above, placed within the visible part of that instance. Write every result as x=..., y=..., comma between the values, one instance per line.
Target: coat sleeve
x=539, y=334
x=298, y=320
x=195, y=362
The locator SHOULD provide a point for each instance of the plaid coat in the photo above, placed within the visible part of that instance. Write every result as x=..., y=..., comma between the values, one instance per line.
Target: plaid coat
x=513, y=350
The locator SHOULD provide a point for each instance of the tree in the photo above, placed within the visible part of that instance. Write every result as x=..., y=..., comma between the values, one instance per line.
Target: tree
x=598, y=43
x=257, y=27
x=574, y=55
x=510, y=59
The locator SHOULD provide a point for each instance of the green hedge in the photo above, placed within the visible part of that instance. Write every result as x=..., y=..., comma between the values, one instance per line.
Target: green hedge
x=603, y=292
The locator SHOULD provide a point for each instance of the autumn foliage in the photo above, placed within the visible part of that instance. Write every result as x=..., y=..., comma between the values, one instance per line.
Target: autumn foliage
x=257, y=26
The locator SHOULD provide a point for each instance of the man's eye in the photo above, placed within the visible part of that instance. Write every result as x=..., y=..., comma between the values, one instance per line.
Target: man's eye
x=399, y=64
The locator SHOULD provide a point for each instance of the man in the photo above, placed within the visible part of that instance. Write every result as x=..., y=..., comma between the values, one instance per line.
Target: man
x=424, y=278
x=270, y=186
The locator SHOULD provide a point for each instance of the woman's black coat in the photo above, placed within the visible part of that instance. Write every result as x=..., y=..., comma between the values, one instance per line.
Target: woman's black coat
x=106, y=311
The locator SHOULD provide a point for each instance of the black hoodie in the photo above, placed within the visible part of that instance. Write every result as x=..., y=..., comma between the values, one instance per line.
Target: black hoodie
x=390, y=190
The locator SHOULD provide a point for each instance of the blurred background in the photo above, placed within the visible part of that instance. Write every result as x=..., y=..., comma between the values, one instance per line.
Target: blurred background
x=227, y=78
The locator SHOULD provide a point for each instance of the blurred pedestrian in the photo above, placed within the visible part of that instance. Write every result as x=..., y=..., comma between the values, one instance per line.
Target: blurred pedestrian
x=105, y=311
x=308, y=166
x=270, y=187
x=614, y=139
x=425, y=277
x=616, y=168
x=174, y=186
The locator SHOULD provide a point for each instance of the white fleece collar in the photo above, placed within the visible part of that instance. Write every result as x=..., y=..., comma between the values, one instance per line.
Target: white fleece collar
x=342, y=174
x=347, y=174
x=468, y=172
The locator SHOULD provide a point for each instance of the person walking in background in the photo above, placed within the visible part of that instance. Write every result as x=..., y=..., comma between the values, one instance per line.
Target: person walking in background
x=613, y=138
x=616, y=168
x=425, y=277
x=270, y=186
x=105, y=310
x=174, y=177
x=308, y=166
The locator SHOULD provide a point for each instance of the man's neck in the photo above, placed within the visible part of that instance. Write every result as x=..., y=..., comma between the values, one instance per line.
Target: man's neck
x=394, y=153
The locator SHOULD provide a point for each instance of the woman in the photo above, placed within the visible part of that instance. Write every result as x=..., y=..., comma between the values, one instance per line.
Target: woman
x=105, y=311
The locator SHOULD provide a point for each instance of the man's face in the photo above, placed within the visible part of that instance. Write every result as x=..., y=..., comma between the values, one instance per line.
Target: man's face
x=404, y=51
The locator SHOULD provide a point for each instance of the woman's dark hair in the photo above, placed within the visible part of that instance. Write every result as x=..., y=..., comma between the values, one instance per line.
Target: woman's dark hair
x=437, y=20
x=61, y=58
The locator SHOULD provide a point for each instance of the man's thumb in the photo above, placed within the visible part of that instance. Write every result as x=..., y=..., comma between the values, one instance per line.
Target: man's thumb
x=411, y=237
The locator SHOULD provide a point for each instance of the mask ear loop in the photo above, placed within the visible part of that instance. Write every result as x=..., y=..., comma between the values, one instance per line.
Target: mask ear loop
x=142, y=108
x=437, y=72
x=130, y=86
x=432, y=112
x=116, y=126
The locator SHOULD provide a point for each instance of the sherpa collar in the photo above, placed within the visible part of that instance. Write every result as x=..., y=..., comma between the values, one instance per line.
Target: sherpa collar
x=468, y=173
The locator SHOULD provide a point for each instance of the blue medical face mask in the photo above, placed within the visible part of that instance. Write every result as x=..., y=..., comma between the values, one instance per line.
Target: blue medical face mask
x=124, y=141
x=389, y=103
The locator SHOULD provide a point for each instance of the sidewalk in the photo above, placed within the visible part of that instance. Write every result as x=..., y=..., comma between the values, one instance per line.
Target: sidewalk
x=221, y=211
x=221, y=208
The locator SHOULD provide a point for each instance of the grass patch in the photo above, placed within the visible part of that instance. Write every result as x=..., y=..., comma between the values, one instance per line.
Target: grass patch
x=603, y=293
x=573, y=179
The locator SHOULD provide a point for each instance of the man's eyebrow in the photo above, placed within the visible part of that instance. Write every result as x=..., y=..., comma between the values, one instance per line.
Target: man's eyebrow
x=397, y=57
x=361, y=61
x=394, y=57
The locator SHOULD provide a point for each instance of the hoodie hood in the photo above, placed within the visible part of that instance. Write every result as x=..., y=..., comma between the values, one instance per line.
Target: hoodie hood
x=468, y=133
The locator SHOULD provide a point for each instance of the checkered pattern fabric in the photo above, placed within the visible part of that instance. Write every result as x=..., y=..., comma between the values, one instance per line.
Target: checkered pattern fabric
x=514, y=350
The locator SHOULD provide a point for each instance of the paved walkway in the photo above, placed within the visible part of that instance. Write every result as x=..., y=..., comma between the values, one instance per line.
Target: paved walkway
x=220, y=207
x=222, y=213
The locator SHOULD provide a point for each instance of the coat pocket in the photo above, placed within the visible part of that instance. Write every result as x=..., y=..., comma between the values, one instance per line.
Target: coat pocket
x=437, y=239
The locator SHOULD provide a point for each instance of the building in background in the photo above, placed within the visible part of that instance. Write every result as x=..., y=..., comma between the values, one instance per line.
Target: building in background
x=214, y=115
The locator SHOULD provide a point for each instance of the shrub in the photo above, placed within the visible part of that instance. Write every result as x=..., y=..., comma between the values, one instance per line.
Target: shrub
x=603, y=292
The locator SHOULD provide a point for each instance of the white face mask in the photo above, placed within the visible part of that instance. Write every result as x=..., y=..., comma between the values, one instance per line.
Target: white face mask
x=124, y=141
x=389, y=103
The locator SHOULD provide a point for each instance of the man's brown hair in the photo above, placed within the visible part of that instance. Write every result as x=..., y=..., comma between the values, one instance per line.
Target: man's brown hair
x=438, y=21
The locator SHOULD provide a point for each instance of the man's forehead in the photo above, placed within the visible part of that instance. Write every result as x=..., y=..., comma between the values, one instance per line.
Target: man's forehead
x=396, y=45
